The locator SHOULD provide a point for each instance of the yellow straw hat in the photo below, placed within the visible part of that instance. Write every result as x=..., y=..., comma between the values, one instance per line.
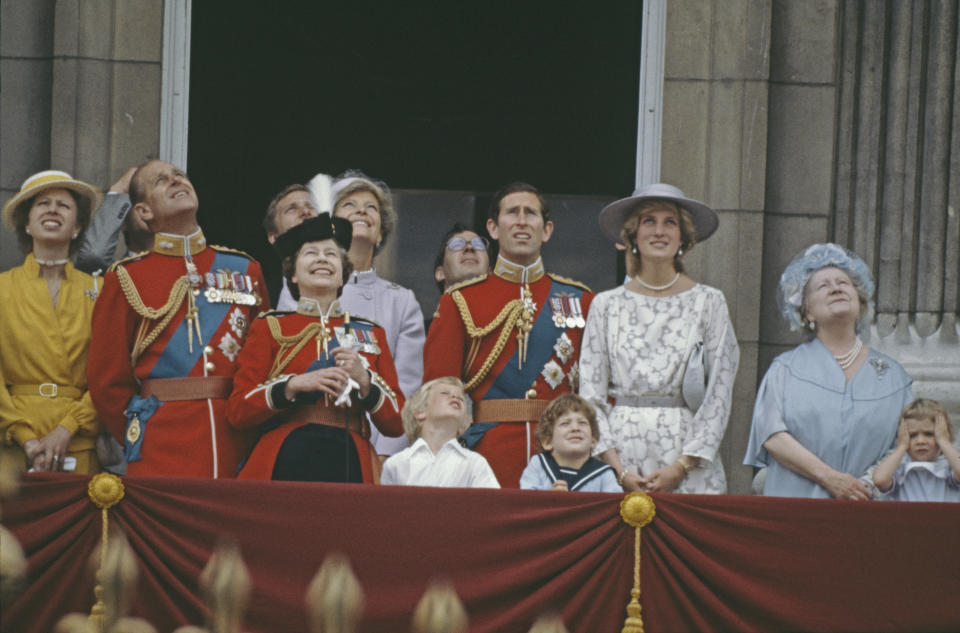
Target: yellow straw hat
x=50, y=179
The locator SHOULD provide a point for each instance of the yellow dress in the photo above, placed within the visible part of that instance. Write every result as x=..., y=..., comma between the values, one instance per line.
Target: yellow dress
x=43, y=361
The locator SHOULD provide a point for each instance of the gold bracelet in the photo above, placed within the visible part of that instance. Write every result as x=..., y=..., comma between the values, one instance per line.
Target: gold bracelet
x=620, y=477
x=684, y=466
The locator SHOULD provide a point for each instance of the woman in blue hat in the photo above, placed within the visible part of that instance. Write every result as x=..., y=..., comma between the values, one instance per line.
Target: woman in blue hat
x=828, y=409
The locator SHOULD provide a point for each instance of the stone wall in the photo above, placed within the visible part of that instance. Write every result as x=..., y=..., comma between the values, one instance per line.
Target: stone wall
x=81, y=91
x=714, y=147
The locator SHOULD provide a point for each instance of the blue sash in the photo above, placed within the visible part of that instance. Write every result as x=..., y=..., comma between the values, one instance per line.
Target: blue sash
x=513, y=382
x=176, y=360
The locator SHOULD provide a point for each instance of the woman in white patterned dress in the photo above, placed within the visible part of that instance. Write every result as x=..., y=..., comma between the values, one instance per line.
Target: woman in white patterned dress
x=658, y=431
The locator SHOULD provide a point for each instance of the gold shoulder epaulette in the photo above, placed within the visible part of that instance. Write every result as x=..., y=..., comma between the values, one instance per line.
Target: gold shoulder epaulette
x=227, y=249
x=466, y=282
x=124, y=260
x=572, y=282
x=365, y=320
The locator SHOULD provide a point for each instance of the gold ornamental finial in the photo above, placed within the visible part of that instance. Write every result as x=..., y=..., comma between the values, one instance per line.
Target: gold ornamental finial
x=13, y=566
x=440, y=611
x=637, y=510
x=118, y=576
x=549, y=623
x=334, y=597
x=226, y=584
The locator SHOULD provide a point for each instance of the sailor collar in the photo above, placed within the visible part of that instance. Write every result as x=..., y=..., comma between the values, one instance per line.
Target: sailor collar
x=505, y=269
x=179, y=245
x=311, y=307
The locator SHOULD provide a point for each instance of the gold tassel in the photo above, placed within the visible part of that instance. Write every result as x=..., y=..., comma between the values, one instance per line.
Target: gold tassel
x=637, y=509
x=105, y=491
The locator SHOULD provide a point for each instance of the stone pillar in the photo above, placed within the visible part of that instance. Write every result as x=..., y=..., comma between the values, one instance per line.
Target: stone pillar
x=81, y=91
x=714, y=148
x=864, y=150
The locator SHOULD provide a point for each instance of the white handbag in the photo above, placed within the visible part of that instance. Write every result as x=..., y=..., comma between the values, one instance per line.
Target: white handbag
x=694, y=386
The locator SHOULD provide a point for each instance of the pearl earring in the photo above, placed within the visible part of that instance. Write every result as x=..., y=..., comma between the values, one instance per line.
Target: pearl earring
x=27, y=229
x=679, y=252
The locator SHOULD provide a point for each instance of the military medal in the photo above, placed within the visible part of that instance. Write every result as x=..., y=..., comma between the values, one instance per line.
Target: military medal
x=556, y=305
x=133, y=430
x=571, y=320
x=581, y=322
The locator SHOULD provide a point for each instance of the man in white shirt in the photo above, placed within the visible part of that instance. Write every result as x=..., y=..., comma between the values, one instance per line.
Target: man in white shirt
x=433, y=418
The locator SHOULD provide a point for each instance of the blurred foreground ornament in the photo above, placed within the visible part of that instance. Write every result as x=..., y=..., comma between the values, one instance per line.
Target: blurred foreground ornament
x=637, y=509
x=440, y=611
x=549, y=623
x=334, y=597
x=226, y=585
x=13, y=566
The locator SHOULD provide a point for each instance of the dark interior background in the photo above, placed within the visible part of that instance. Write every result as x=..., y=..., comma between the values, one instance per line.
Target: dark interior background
x=428, y=96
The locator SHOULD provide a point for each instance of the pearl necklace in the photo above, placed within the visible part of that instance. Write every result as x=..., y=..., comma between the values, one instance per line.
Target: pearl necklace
x=847, y=359
x=657, y=288
x=52, y=262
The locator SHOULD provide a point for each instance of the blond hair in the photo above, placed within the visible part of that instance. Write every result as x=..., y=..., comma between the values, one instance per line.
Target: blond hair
x=926, y=409
x=417, y=404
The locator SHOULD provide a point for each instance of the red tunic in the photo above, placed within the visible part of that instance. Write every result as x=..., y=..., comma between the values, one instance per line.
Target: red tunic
x=250, y=403
x=188, y=438
x=507, y=446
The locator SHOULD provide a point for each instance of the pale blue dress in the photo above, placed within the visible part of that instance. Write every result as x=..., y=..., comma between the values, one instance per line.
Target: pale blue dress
x=923, y=481
x=848, y=425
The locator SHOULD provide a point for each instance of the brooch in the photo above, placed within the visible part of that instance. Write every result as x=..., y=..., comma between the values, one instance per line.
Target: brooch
x=879, y=365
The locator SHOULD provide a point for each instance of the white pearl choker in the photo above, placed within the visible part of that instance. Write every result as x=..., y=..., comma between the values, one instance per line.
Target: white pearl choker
x=847, y=359
x=52, y=262
x=657, y=288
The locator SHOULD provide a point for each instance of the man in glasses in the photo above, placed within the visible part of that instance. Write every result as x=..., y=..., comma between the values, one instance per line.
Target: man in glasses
x=463, y=255
x=512, y=336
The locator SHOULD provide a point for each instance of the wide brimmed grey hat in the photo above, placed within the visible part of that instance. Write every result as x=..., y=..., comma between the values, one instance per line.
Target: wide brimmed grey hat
x=612, y=217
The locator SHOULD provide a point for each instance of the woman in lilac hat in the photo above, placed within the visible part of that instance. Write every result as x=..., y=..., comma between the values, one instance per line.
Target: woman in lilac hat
x=828, y=409
x=46, y=415
x=659, y=353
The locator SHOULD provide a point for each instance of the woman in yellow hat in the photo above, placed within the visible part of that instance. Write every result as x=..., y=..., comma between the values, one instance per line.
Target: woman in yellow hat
x=45, y=410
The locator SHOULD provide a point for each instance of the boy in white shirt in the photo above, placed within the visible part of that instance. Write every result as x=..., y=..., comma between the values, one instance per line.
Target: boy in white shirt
x=433, y=418
x=925, y=465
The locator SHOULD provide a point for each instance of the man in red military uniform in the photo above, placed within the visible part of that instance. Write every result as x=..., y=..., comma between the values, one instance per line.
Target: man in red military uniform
x=167, y=328
x=513, y=336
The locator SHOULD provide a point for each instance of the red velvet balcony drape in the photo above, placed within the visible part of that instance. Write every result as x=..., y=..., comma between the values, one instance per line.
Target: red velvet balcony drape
x=722, y=563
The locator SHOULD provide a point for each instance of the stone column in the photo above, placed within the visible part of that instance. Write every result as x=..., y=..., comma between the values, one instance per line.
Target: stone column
x=714, y=148
x=81, y=91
